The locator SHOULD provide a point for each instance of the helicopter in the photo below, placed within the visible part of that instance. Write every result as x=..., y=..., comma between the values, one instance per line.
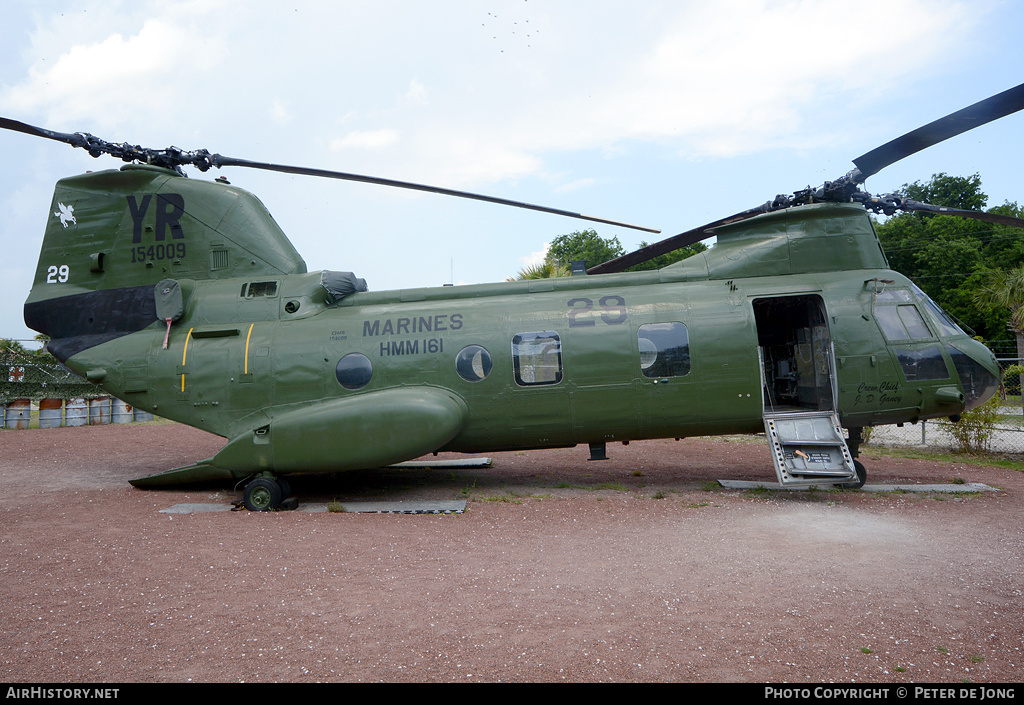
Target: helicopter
x=184, y=298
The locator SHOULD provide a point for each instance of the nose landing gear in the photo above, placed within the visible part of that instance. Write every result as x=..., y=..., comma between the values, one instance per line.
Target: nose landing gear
x=856, y=437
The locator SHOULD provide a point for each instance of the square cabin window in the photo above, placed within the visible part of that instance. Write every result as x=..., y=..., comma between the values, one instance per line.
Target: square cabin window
x=664, y=350
x=537, y=358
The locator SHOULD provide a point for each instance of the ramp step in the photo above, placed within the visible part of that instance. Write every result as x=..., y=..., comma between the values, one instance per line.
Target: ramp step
x=808, y=447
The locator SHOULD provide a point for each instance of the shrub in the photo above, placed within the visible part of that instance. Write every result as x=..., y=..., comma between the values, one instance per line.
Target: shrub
x=973, y=432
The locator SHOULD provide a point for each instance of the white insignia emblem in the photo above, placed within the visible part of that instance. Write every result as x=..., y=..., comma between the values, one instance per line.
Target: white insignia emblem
x=66, y=214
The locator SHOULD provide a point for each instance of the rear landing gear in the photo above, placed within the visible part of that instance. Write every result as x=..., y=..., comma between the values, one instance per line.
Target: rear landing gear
x=266, y=493
x=262, y=495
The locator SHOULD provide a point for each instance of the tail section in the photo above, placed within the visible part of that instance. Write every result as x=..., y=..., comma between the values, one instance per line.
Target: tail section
x=111, y=236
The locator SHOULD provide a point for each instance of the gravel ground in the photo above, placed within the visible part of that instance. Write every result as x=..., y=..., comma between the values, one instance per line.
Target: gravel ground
x=630, y=569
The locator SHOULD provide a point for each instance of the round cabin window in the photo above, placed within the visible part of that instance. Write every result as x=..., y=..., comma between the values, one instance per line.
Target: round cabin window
x=354, y=371
x=473, y=363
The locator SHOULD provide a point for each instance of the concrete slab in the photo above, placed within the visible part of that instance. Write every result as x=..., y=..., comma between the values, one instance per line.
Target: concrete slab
x=196, y=508
x=966, y=487
x=419, y=507
x=460, y=463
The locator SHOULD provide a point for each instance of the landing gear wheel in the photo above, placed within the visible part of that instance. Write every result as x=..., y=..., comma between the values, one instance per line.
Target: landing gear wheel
x=862, y=477
x=262, y=495
x=286, y=488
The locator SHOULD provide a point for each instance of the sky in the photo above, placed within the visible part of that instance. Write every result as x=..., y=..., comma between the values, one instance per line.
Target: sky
x=663, y=114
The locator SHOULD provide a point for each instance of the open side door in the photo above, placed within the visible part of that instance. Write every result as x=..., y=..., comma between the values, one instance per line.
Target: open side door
x=800, y=396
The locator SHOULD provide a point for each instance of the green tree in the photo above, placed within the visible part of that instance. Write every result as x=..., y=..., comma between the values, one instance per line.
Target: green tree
x=668, y=258
x=584, y=245
x=590, y=247
x=42, y=354
x=950, y=257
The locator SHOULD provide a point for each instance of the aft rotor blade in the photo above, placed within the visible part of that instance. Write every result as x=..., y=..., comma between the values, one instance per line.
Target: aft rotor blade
x=174, y=158
x=675, y=242
x=982, y=112
x=219, y=160
x=8, y=124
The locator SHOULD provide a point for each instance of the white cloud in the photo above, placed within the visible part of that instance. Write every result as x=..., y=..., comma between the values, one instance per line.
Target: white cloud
x=367, y=139
x=698, y=79
x=113, y=74
x=281, y=112
x=535, y=258
x=575, y=185
x=417, y=93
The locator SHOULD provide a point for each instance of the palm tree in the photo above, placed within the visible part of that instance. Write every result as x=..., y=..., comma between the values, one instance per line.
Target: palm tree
x=544, y=270
x=1005, y=289
x=9, y=345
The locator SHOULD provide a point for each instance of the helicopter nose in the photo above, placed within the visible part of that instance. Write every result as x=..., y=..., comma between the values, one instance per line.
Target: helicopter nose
x=978, y=371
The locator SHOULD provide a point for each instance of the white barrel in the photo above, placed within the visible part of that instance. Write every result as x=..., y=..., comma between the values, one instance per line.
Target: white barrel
x=76, y=413
x=99, y=411
x=141, y=416
x=120, y=411
x=19, y=412
x=51, y=413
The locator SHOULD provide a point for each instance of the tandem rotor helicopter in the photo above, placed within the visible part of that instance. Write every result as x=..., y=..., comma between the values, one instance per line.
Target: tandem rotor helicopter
x=184, y=298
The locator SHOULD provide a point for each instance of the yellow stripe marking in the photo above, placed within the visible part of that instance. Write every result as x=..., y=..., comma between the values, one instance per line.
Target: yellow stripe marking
x=247, y=348
x=183, y=354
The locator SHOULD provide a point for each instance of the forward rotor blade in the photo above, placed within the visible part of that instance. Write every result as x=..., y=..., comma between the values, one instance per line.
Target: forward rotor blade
x=675, y=242
x=220, y=160
x=999, y=105
x=910, y=205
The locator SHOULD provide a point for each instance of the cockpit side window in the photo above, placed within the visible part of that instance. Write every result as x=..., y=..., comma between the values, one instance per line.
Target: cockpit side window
x=941, y=319
x=947, y=327
x=259, y=289
x=902, y=322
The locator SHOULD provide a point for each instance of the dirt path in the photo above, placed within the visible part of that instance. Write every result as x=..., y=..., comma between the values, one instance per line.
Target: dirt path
x=630, y=569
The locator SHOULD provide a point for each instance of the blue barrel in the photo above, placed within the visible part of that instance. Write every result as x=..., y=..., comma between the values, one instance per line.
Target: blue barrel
x=19, y=413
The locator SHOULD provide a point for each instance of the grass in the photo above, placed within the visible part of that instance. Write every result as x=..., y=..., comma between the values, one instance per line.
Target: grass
x=509, y=499
x=943, y=456
x=601, y=486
